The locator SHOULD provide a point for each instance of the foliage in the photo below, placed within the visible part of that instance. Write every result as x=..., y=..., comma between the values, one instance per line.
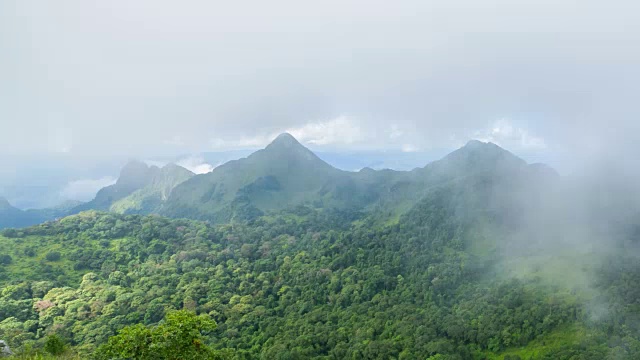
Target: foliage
x=54, y=345
x=180, y=336
x=289, y=285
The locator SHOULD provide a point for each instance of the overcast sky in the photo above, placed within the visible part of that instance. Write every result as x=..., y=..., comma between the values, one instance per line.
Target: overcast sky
x=95, y=78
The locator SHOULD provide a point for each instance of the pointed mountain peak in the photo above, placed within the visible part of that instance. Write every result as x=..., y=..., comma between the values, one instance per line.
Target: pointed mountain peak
x=477, y=144
x=480, y=147
x=286, y=140
x=481, y=156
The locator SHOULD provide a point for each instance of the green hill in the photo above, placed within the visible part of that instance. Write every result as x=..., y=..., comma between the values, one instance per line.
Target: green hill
x=140, y=189
x=150, y=198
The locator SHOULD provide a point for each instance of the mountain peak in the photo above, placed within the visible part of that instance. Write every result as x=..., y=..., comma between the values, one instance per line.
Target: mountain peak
x=174, y=168
x=480, y=156
x=477, y=144
x=135, y=173
x=285, y=139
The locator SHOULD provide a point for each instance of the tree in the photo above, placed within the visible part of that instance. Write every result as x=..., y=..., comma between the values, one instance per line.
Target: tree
x=5, y=259
x=179, y=337
x=53, y=256
x=54, y=345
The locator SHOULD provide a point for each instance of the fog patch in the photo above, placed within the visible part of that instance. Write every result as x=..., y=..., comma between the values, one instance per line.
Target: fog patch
x=196, y=164
x=85, y=189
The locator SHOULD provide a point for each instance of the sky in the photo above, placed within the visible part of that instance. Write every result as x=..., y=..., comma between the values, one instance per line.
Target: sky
x=554, y=81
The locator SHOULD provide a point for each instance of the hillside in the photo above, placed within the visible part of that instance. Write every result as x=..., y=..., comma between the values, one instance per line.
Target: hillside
x=152, y=195
x=140, y=189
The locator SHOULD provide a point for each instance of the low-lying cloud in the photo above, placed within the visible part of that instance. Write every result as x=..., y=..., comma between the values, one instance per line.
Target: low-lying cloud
x=85, y=189
x=195, y=164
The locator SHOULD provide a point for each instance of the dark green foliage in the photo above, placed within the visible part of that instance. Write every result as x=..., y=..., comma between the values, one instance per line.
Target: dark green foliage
x=5, y=259
x=53, y=256
x=54, y=344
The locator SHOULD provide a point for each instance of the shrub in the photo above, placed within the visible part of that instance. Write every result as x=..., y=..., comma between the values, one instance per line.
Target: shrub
x=54, y=345
x=53, y=256
x=5, y=259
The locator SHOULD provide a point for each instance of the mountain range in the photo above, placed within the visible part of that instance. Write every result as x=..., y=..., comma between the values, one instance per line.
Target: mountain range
x=285, y=175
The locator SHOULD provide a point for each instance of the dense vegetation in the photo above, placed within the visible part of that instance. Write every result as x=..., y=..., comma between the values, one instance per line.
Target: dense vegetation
x=301, y=284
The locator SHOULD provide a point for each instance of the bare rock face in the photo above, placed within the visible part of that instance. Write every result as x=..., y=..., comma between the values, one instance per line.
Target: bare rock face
x=4, y=349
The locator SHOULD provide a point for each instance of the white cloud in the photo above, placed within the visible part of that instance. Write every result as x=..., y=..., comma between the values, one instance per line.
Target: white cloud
x=395, y=132
x=196, y=164
x=85, y=189
x=409, y=148
x=242, y=142
x=342, y=130
x=504, y=133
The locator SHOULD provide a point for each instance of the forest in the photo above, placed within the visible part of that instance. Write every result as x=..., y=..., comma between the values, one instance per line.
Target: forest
x=298, y=284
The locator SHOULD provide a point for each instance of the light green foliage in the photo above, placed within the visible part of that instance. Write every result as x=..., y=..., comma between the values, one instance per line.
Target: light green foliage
x=179, y=337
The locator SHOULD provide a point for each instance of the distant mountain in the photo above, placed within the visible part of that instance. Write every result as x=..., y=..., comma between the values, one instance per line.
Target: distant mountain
x=12, y=217
x=150, y=198
x=140, y=189
x=286, y=174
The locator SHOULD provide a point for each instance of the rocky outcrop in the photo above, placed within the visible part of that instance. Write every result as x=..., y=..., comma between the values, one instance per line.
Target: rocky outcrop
x=4, y=349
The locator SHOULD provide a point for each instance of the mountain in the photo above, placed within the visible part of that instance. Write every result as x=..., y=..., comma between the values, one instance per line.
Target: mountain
x=150, y=198
x=286, y=174
x=12, y=217
x=283, y=174
x=140, y=189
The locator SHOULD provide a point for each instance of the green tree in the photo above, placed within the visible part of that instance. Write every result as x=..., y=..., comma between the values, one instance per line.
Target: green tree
x=53, y=256
x=179, y=337
x=54, y=345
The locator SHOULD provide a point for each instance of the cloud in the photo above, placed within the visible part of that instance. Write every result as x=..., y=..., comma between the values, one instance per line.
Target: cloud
x=504, y=133
x=196, y=164
x=411, y=73
x=342, y=130
x=409, y=148
x=85, y=189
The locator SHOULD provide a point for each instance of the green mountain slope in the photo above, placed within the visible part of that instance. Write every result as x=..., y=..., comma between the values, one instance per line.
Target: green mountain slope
x=150, y=198
x=140, y=189
x=282, y=175
x=286, y=174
